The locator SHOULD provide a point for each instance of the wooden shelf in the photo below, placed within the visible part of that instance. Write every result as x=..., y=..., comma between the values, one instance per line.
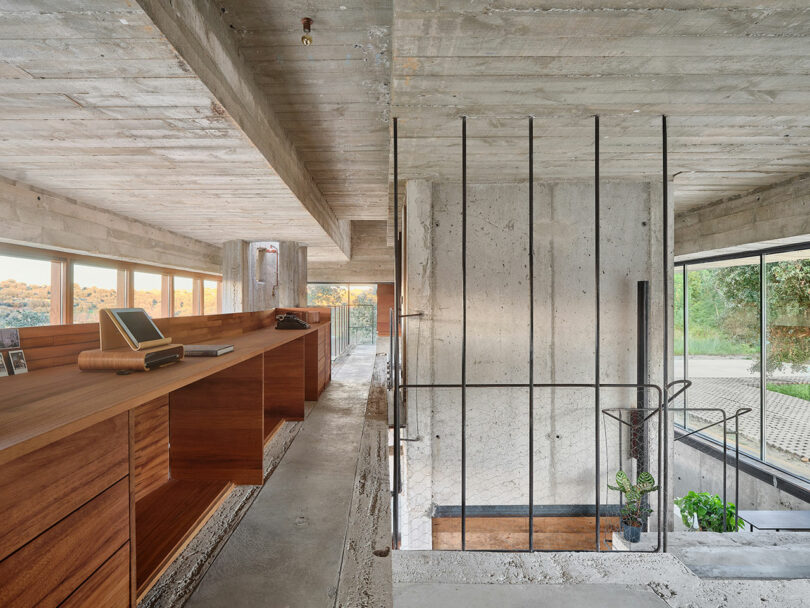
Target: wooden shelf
x=166, y=519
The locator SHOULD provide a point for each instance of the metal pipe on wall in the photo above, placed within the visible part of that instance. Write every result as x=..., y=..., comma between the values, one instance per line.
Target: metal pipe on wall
x=395, y=355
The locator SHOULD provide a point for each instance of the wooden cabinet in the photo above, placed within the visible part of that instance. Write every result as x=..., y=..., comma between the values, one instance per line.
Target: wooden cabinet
x=105, y=478
x=47, y=570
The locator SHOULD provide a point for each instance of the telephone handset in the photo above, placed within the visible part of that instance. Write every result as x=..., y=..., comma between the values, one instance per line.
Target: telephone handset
x=290, y=321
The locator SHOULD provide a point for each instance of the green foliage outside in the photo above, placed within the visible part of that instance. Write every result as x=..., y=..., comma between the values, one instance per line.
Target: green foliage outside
x=708, y=510
x=24, y=305
x=802, y=391
x=635, y=510
x=362, y=311
x=724, y=313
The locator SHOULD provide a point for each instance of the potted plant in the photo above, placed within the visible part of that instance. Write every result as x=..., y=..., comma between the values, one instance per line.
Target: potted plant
x=707, y=510
x=634, y=511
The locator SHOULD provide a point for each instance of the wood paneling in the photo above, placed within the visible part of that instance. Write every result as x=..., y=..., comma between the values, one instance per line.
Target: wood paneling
x=48, y=569
x=108, y=587
x=40, y=488
x=46, y=405
x=215, y=426
x=151, y=446
x=512, y=533
x=385, y=302
x=284, y=381
x=167, y=519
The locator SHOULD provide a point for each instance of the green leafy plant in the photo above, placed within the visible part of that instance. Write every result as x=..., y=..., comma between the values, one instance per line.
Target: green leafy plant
x=708, y=508
x=634, y=511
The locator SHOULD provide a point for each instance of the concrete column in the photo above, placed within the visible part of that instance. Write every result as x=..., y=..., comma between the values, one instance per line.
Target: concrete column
x=250, y=277
x=291, y=274
x=418, y=337
x=302, y=276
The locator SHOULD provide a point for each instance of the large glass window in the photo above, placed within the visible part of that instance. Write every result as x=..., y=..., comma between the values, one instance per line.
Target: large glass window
x=719, y=312
x=787, y=361
x=148, y=288
x=26, y=296
x=362, y=314
x=327, y=294
x=183, y=296
x=94, y=287
x=723, y=342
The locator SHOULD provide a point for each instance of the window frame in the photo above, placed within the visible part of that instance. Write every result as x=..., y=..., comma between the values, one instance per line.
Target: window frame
x=762, y=255
x=62, y=264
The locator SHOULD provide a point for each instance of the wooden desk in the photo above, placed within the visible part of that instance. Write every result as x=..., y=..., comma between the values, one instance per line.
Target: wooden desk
x=105, y=478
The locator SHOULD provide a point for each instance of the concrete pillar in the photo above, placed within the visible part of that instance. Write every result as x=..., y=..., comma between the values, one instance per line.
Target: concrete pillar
x=418, y=357
x=302, y=276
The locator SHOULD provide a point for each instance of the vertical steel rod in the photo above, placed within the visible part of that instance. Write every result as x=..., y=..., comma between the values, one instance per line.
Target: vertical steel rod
x=397, y=287
x=597, y=284
x=763, y=352
x=531, y=333
x=463, y=333
x=665, y=278
x=685, y=339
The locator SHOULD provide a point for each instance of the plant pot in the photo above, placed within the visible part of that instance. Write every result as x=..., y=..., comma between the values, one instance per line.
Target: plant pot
x=631, y=534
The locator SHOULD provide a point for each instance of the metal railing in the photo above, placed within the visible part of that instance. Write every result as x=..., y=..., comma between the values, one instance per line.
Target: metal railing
x=339, y=330
x=399, y=387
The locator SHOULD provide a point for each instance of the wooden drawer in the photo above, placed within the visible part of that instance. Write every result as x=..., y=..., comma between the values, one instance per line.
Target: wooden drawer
x=39, y=489
x=51, y=567
x=108, y=587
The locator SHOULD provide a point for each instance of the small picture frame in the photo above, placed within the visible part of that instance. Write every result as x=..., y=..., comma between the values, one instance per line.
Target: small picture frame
x=9, y=338
x=3, y=368
x=18, y=364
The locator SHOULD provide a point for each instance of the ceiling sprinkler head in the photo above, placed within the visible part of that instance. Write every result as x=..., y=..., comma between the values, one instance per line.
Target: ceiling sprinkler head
x=306, y=39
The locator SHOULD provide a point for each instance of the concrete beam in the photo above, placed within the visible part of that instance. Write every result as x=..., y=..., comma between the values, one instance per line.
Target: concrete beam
x=203, y=39
x=32, y=216
x=778, y=213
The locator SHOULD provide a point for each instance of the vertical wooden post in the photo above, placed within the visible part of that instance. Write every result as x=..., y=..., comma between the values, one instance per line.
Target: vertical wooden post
x=197, y=307
x=67, y=293
x=57, y=288
x=166, y=296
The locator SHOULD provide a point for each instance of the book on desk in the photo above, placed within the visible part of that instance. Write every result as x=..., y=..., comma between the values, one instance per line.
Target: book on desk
x=207, y=350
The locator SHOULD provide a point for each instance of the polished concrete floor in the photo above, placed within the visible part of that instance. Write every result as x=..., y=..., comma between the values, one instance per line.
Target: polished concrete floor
x=287, y=551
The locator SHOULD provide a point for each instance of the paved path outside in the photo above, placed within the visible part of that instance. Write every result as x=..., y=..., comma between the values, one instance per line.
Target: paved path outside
x=288, y=549
x=787, y=418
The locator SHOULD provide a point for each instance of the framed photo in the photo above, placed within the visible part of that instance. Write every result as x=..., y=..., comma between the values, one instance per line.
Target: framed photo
x=9, y=338
x=18, y=364
x=3, y=368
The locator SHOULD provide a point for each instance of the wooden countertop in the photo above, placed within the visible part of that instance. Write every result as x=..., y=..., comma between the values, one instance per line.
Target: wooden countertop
x=43, y=406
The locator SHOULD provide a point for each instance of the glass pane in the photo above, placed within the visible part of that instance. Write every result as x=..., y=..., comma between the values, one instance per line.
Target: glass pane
x=148, y=292
x=25, y=292
x=678, y=346
x=787, y=399
x=210, y=297
x=94, y=287
x=183, y=296
x=327, y=294
x=723, y=347
x=363, y=314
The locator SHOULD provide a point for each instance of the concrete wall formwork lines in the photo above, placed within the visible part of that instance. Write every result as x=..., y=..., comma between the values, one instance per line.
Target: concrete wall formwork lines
x=497, y=341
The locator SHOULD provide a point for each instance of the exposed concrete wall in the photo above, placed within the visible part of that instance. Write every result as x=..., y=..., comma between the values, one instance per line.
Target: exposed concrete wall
x=372, y=258
x=498, y=344
x=32, y=216
x=695, y=470
x=777, y=213
x=251, y=281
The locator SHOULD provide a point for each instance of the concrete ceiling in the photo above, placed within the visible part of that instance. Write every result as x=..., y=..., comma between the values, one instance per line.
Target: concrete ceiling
x=332, y=97
x=97, y=105
x=734, y=80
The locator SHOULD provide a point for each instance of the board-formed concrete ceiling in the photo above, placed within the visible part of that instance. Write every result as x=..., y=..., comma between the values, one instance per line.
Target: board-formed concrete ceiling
x=732, y=76
x=97, y=105
x=332, y=97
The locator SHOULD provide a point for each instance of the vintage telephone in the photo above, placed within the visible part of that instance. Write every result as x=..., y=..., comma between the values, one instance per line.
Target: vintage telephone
x=290, y=321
